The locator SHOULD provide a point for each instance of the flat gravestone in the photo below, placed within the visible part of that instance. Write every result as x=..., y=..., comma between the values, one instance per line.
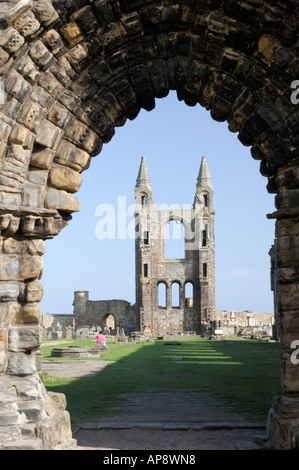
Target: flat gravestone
x=76, y=351
x=172, y=343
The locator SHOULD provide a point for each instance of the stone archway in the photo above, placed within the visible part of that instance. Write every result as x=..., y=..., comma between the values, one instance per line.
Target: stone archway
x=71, y=71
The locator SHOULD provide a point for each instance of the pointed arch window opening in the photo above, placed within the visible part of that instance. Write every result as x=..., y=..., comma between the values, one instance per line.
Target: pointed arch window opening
x=162, y=295
x=175, y=295
x=188, y=294
x=109, y=321
x=174, y=240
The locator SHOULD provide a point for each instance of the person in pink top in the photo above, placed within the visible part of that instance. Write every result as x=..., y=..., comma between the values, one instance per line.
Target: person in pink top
x=100, y=339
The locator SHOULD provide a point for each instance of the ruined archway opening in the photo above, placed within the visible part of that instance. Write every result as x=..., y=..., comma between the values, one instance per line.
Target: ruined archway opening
x=108, y=323
x=162, y=295
x=175, y=295
x=188, y=294
x=174, y=236
x=233, y=227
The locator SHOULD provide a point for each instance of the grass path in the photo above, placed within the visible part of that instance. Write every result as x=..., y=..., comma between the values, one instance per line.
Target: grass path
x=242, y=375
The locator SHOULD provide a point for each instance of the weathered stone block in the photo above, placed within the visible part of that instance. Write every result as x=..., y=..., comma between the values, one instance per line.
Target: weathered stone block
x=81, y=135
x=109, y=36
x=288, y=296
x=20, y=268
x=33, y=412
x=17, y=86
x=39, y=177
x=13, y=226
x=11, y=106
x=70, y=100
x=132, y=24
x=42, y=159
x=34, y=291
x=41, y=96
x=53, y=41
x=77, y=56
x=3, y=148
x=287, y=198
x=62, y=177
x=15, y=11
x=27, y=225
x=18, y=156
x=111, y=107
x=27, y=24
x=290, y=374
x=8, y=416
x=8, y=392
x=47, y=134
x=290, y=274
x=58, y=115
x=33, y=195
x=69, y=154
x=94, y=117
x=20, y=364
x=59, y=399
x=8, y=312
x=36, y=247
x=126, y=95
x=23, y=338
x=71, y=34
x=28, y=69
x=20, y=135
x=56, y=430
x=13, y=246
x=61, y=200
x=31, y=114
x=4, y=57
x=40, y=54
x=11, y=40
x=287, y=251
x=51, y=84
x=9, y=291
x=44, y=11
x=3, y=348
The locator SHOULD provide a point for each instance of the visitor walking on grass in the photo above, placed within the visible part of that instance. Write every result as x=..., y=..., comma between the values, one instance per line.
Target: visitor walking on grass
x=100, y=338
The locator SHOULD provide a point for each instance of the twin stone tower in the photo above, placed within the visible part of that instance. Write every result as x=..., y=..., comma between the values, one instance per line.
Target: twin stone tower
x=172, y=294
x=157, y=276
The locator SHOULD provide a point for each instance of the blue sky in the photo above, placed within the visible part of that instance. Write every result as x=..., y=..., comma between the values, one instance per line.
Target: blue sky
x=172, y=138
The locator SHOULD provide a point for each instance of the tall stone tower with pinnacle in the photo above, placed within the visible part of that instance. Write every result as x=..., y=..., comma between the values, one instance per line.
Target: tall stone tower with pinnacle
x=196, y=267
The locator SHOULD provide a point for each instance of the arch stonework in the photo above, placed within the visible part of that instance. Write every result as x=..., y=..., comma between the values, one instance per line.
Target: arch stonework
x=73, y=70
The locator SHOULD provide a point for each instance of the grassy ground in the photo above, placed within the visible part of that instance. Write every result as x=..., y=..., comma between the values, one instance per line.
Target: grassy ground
x=244, y=374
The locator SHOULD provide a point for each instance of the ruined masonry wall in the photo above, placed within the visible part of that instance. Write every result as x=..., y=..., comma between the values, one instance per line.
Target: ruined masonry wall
x=123, y=312
x=94, y=312
x=229, y=317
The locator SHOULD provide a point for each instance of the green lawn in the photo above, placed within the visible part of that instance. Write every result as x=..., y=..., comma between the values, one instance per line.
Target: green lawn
x=245, y=374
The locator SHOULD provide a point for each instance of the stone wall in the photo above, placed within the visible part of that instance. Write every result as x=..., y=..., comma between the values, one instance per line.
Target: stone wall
x=171, y=320
x=95, y=312
x=57, y=320
x=245, y=318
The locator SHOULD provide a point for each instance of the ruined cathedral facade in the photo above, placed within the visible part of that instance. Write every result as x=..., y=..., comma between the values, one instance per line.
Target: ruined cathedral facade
x=155, y=272
x=193, y=309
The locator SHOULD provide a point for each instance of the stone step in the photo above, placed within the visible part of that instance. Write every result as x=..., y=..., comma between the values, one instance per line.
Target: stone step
x=23, y=444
